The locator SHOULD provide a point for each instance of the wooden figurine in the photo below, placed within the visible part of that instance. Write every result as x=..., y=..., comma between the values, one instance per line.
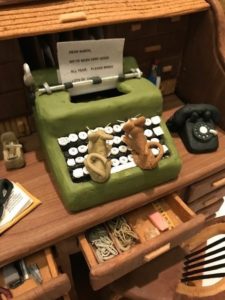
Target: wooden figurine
x=140, y=147
x=96, y=162
x=12, y=151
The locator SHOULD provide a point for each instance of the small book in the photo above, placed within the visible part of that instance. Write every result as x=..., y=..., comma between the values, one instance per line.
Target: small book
x=18, y=205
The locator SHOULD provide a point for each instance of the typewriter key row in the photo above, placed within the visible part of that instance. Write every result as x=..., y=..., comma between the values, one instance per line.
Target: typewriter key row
x=74, y=148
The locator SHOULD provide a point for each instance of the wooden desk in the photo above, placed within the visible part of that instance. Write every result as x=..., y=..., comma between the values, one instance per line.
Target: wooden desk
x=50, y=223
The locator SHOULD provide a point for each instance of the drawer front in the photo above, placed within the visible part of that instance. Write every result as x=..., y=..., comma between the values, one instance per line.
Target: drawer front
x=169, y=67
x=54, y=285
x=134, y=30
x=178, y=23
x=211, y=210
x=158, y=46
x=206, y=186
x=183, y=224
x=207, y=200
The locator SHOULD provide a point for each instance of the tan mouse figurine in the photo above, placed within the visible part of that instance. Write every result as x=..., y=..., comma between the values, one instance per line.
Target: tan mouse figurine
x=96, y=161
x=140, y=147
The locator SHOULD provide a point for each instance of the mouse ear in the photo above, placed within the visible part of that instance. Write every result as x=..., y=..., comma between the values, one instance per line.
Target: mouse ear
x=128, y=125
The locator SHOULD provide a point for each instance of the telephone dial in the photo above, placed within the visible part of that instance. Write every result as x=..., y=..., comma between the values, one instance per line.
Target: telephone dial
x=195, y=124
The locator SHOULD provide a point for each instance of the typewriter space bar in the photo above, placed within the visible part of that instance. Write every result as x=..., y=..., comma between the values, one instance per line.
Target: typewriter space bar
x=123, y=167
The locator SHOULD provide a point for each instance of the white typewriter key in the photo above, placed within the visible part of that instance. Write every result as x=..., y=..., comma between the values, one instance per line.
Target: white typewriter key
x=78, y=173
x=155, y=151
x=82, y=149
x=71, y=162
x=79, y=160
x=130, y=157
x=123, y=149
x=148, y=122
x=156, y=120
x=154, y=140
x=158, y=131
x=165, y=149
x=114, y=151
x=123, y=159
x=115, y=162
x=117, y=140
x=63, y=141
x=117, y=128
x=82, y=135
x=109, y=129
x=85, y=171
x=148, y=133
x=73, y=137
x=73, y=151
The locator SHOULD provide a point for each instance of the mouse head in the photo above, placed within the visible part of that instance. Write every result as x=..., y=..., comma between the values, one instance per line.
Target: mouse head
x=134, y=123
x=99, y=134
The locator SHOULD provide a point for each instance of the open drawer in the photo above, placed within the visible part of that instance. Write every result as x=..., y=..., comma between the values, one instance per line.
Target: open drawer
x=182, y=223
x=53, y=286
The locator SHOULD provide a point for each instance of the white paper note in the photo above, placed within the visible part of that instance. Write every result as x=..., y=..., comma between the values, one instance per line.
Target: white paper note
x=80, y=60
x=17, y=202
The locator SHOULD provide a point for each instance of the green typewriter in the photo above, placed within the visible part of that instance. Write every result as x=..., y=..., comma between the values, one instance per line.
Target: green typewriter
x=63, y=124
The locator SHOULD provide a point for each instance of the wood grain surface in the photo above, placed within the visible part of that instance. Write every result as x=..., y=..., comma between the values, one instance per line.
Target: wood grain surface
x=51, y=223
x=44, y=16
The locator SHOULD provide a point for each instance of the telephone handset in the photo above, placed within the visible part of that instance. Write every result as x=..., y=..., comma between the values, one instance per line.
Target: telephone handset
x=195, y=123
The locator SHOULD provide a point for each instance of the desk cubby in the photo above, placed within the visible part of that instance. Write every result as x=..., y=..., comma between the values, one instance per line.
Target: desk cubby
x=54, y=284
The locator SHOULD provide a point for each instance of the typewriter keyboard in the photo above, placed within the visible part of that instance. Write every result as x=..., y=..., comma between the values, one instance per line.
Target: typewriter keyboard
x=75, y=148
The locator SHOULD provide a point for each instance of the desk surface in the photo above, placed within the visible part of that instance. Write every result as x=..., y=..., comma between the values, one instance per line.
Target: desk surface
x=50, y=222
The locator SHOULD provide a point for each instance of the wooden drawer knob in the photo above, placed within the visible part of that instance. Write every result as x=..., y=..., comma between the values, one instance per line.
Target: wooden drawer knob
x=156, y=253
x=219, y=183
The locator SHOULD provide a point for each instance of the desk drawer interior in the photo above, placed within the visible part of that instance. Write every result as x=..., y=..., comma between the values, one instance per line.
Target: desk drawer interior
x=53, y=286
x=147, y=241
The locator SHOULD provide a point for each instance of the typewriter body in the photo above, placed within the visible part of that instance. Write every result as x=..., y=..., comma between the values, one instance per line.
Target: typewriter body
x=57, y=118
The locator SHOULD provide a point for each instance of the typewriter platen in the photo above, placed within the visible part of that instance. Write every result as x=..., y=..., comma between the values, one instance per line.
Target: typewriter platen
x=63, y=127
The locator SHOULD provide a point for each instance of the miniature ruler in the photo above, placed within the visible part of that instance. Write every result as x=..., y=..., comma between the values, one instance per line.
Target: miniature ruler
x=80, y=60
x=158, y=207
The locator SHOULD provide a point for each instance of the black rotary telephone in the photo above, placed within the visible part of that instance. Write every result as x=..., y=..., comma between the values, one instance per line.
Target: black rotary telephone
x=195, y=124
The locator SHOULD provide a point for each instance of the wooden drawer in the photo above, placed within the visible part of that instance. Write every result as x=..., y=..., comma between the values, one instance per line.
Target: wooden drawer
x=207, y=200
x=135, y=30
x=177, y=23
x=183, y=224
x=210, y=211
x=170, y=67
x=54, y=285
x=205, y=186
x=156, y=47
